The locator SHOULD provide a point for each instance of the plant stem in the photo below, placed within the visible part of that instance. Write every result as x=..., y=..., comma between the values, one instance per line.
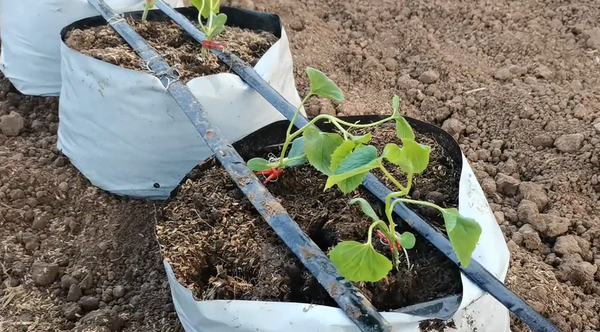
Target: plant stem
x=209, y=25
x=288, y=133
x=409, y=178
x=344, y=131
x=382, y=226
x=391, y=178
x=147, y=7
x=333, y=119
x=287, y=160
x=411, y=201
x=395, y=255
x=368, y=125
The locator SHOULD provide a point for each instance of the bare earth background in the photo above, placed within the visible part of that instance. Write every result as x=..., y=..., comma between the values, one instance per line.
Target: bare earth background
x=516, y=82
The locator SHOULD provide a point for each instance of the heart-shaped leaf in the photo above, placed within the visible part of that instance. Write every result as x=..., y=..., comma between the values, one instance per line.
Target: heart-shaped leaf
x=412, y=158
x=323, y=86
x=219, y=24
x=360, y=262
x=463, y=233
x=365, y=207
x=319, y=148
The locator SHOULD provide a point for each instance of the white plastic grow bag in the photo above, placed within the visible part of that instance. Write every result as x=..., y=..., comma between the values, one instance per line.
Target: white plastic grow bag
x=30, y=31
x=478, y=311
x=128, y=136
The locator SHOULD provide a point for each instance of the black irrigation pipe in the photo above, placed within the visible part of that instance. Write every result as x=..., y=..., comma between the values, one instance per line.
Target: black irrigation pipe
x=349, y=298
x=475, y=271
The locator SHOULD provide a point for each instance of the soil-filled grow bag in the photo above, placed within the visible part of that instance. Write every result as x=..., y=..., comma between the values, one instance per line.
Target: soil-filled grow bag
x=30, y=30
x=354, y=304
x=476, y=272
x=128, y=136
x=469, y=310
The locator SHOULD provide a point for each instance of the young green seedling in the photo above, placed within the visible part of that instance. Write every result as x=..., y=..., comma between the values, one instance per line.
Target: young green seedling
x=346, y=159
x=215, y=23
x=149, y=4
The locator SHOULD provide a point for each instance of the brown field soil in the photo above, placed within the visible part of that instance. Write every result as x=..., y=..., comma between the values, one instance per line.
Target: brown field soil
x=517, y=83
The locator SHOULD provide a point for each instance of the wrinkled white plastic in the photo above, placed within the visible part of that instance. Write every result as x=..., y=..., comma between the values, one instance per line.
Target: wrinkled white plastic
x=30, y=31
x=478, y=311
x=127, y=135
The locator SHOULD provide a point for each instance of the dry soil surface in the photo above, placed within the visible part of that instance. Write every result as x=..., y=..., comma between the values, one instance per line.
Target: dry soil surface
x=518, y=83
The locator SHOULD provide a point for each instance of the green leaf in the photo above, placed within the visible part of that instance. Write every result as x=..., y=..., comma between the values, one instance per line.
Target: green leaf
x=464, y=234
x=392, y=152
x=319, y=148
x=218, y=24
x=403, y=129
x=198, y=4
x=366, y=208
x=396, y=105
x=360, y=262
x=412, y=158
x=340, y=153
x=323, y=86
x=296, y=151
x=205, y=7
x=364, y=139
x=407, y=240
x=259, y=164
x=353, y=169
x=297, y=148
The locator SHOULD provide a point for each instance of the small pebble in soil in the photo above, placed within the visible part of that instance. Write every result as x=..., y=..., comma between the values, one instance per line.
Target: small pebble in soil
x=43, y=274
x=507, y=185
x=535, y=193
x=74, y=293
x=569, y=143
x=429, y=77
x=71, y=311
x=11, y=124
x=89, y=303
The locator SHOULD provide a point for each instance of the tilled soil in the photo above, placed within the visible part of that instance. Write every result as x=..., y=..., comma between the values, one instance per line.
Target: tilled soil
x=516, y=82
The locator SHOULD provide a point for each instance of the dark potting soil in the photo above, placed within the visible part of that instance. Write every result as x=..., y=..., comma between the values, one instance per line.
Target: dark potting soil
x=220, y=248
x=178, y=49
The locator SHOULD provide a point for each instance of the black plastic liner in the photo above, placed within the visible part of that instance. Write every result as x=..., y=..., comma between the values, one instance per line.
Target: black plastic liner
x=475, y=271
x=349, y=299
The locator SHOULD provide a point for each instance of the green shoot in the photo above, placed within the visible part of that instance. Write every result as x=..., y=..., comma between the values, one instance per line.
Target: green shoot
x=149, y=4
x=215, y=22
x=346, y=159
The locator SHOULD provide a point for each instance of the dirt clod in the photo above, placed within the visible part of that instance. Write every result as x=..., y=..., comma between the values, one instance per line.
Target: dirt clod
x=569, y=143
x=535, y=193
x=43, y=274
x=507, y=185
x=11, y=124
x=567, y=245
x=429, y=77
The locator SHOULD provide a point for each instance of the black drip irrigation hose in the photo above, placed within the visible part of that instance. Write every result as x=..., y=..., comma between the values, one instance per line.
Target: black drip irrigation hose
x=475, y=271
x=348, y=297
